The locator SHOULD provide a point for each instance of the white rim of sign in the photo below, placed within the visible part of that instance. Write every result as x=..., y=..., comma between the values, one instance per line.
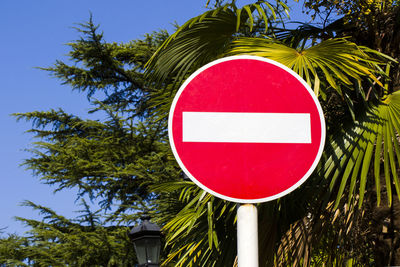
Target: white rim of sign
x=238, y=200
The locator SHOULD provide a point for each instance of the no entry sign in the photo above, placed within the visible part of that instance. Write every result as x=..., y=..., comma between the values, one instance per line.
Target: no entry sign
x=246, y=129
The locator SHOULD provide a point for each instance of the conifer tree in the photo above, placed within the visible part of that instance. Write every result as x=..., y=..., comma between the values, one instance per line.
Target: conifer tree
x=57, y=241
x=112, y=160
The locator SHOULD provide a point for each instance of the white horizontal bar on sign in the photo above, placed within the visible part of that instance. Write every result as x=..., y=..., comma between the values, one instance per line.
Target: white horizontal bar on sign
x=235, y=127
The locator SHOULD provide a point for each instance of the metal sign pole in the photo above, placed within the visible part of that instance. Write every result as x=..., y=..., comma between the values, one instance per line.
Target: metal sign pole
x=247, y=235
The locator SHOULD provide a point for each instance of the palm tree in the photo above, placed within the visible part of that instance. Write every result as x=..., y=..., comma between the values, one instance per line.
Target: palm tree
x=327, y=219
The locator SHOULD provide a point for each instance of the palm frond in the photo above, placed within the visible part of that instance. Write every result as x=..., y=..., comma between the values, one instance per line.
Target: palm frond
x=373, y=138
x=306, y=32
x=202, y=213
x=203, y=38
x=331, y=60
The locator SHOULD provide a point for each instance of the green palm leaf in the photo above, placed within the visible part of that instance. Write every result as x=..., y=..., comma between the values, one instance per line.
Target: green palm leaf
x=202, y=213
x=373, y=135
x=331, y=60
x=203, y=38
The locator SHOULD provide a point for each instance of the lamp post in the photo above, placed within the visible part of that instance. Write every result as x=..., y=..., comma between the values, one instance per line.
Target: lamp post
x=146, y=239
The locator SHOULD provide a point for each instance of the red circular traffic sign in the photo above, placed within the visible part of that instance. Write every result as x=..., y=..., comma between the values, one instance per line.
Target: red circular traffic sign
x=246, y=129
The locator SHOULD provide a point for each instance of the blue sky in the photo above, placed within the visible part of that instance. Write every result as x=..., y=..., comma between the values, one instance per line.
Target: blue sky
x=34, y=34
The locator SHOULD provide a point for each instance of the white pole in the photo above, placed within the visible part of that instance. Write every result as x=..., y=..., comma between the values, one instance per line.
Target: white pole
x=247, y=235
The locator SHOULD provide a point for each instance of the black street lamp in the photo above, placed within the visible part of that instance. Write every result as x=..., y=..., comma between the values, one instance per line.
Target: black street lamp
x=146, y=238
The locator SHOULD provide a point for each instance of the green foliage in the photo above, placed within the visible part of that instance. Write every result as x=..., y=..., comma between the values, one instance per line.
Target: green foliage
x=372, y=23
x=115, y=159
x=203, y=38
x=58, y=241
x=115, y=70
x=355, y=10
x=334, y=60
x=112, y=160
x=199, y=213
x=13, y=250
